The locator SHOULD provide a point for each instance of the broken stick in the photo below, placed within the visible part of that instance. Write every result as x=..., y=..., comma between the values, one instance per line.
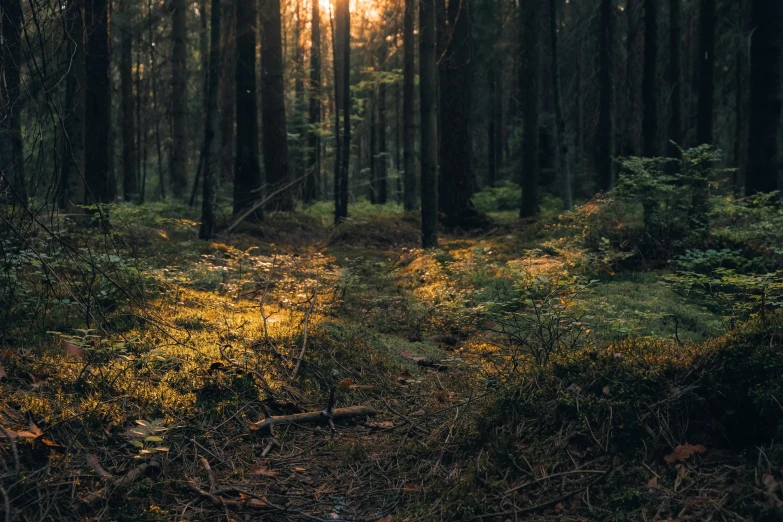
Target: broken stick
x=116, y=483
x=315, y=417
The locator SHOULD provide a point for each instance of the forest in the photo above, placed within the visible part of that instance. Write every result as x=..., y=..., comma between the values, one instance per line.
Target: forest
x=391, y=260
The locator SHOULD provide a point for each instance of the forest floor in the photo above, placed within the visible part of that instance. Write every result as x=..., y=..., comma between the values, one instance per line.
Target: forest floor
x=514, y=373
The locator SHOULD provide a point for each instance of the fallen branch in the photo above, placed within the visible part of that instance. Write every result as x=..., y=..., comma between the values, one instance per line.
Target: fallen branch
x=314, y=417
x=114, y=484
x=253, y=503
x=267, y=199
x=304, y=331
x=14, y=451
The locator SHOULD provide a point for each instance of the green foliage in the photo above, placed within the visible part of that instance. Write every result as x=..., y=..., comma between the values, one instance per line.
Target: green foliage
x=505, y=196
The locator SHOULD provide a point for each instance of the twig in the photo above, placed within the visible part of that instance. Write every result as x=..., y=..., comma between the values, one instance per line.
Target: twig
x=7, y=504
x=92, y=461
x=267, y=199
x=315, y=417
x=235, y=364
x=304, y=331
x=133, y=475
x=211, y=474
x=14, y=452
x=253, y=503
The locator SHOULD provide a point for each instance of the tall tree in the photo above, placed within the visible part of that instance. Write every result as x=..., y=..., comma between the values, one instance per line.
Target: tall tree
x=763, y=170
x=650, y=80
x=629, y=122
x=564, y=166
x=706, y=69
x=382, y=153
x=227, y=96
x=531, y=14
x=274, y=132
x=314, y=120
x=179, y=98
x=247, y=169
x=409, y=108
x=11, y=153
x=97, y=107
x=213, y=78
x=130, y=183
x=71, y=188
x=344, y=35
x=675, y=73
x=429, y=125
x=456, y=175
x=606, y=98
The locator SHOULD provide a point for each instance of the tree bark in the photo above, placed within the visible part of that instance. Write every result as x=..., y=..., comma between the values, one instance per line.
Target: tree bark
x=650, y=81
x=565, y=170
x=227, y=97
x=763, y=170
x=382, y=170
x=409, y=108
x=11, y=145
x=706, y=68
x=97, y=107
x=675, y=73
x=130, y=183
x=456, y=175
x=313, y=140
x=207, y=228
x=429, y=125
x=178, y=157
x=71, y=188
x=531, y=95
x=247, y=169
x=274, y=132
x=606, y=98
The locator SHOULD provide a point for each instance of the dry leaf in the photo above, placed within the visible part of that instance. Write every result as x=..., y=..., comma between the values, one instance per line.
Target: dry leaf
x=683, y=452
x=347, y=384
x=300, y=469
x=409, y=488
x=559, y=508
x=575, y=388
x=404, y=377
x=262, y=470
x=385, y=424
x=653, y=483
x=37, y=381
x=72, y=350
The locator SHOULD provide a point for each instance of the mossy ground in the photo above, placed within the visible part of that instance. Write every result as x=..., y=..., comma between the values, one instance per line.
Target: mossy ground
x=468, y=435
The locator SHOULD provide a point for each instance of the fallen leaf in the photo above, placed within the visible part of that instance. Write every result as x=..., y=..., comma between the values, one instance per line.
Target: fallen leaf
x=771, y=485
x=35, y=429
x=409, y=488
x=404, y=377
x=683, y=452
x=300, y=469
x=607, y=390
x=262, y=470
x=22, y=435
x=385, y=424
x=37, y=381
x=347, y=384
x=653, y=483
x=3, y=374
x=559, y=508
x=72, y=350
x=574, y=388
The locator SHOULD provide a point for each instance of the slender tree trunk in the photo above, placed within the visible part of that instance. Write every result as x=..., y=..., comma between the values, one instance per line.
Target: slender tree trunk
x=274, y=132
x=130, y=177
x=763, y=169
x=313, y=140
x=531, y=12
x=11, y=149
x=630, y=120
x=409, y=108
x=72, y=166
x=383, y=156
x=337, y=61
x=650, y=82
x=346, y=94
x=156, y=113
x=456, y=151
x=247, y=169
x=500, y=132
x=97, y=107
x=207, y=228
x=297, y=158
x=565, y=170
x=178, y=157
x=429, y=125
x=675, y=57
x=606, y=98
x=373, y=148
x=227, y=97
x=491, y=126
x=706, y=68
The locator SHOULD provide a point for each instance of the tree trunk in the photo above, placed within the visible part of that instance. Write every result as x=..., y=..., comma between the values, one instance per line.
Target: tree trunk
x=630, y=121
x=274, y=133
x=531, y=95
x=130, y=183
x=429, y=125
x=373, y=146
x=178, y=157
x=650, y=81
x=409, y=108
x=313, y=140
x=382, y=170
x=606, y=99
x=247, y=169
x=207, y=228
x=337, y=61
x=156, y=113
x=491, y=124
x=457, y=184
x=565, y=170
x=706, y=68
x=71, y=188
x=97, y=107
x=11, y=145
x=675, y=57
x=227, y=98
x=346, y=95
x=763, y=170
